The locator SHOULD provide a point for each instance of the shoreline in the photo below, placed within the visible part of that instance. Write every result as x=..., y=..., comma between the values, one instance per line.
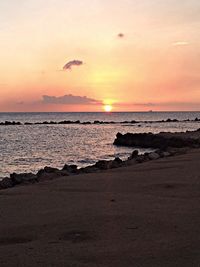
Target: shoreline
x=166, y=145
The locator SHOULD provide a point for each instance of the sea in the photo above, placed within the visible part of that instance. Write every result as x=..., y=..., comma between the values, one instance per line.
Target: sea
x=28, y=148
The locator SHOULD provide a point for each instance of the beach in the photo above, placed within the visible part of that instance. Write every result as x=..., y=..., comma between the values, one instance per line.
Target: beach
x=100, y=133
x=143, y=215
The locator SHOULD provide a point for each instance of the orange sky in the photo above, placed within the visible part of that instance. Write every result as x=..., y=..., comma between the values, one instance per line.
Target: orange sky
x=136, y=55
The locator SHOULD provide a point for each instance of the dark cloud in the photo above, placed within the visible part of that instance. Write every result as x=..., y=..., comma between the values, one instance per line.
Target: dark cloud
x=120, y=35
x=69, y=100
x=72, y=63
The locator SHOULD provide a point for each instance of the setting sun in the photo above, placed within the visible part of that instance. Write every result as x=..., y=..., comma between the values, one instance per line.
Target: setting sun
x=107, y=108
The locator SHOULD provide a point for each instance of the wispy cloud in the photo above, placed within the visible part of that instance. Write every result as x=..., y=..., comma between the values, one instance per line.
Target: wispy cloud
x=180, y=43
x=137, y=104
x=69, y=100
x=70, y=64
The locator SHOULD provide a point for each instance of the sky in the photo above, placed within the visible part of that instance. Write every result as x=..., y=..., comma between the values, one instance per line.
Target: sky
x=78, y=55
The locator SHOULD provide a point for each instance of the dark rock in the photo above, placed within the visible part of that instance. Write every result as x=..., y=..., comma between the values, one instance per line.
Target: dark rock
x=171, y=120
x=159, y=141
x=116, y=163
x=23, y=178
x=89, y=169
x=134, y=154
x=86, y=123
x=70, y=168
x=140, y=158
x=130, y=162
x=166, y=154
x=153, y=156
x=6, y=183
x=103, y=164
x=177, y=151
x=47, y=173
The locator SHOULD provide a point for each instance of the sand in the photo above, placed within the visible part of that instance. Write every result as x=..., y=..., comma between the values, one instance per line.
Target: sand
x=144, y=215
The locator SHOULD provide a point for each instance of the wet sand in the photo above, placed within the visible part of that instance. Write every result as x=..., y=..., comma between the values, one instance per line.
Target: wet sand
x=144, y=215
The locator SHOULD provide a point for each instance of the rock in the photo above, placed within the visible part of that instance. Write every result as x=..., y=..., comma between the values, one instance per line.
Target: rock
x=49, y=173
x=70, y=168
x=177, y=151
x=165, y=154
x=89, y=169
x=134, y=154
x=6, y=183
x=103, y=164
x=141, y=158
x=153, y=156
x=159, y=141
x=23, y=178
x=116, y=163
x=47, y=170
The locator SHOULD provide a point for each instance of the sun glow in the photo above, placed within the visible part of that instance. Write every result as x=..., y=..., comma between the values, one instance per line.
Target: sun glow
x=107, y=108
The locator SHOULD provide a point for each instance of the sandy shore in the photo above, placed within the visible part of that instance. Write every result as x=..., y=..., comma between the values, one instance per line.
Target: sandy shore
x=144, y=215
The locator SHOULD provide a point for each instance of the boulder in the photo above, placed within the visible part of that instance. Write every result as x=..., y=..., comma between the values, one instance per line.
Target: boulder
x=134, y=154
x=89, y=169
x=116, y=163
x=47, y=170
x=70, y=168
x=23, y=178
x=165, y=154
x=141, y=158
x=153, y=156
x=49, y=173
x=103, y=164
x=6, y=183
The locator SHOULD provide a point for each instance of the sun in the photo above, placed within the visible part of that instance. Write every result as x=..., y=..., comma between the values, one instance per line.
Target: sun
x=107, y=108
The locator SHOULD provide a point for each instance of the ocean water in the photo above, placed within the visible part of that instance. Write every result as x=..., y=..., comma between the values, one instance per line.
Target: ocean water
x=25, y=148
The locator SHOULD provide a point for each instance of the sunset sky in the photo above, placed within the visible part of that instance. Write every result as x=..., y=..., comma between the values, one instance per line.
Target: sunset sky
x=73, y=55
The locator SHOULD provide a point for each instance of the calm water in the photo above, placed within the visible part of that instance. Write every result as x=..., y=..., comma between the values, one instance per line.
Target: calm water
x=27, y=148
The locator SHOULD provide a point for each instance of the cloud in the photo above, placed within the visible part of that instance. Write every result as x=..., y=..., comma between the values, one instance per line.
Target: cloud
x=180, y=43
x=69, y=100
x=70, y=64
x=121, y=35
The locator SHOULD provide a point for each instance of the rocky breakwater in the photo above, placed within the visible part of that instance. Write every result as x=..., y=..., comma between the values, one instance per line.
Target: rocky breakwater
x=163, y=140
x=165, y=145
x=50, y=173
x=96, y=122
